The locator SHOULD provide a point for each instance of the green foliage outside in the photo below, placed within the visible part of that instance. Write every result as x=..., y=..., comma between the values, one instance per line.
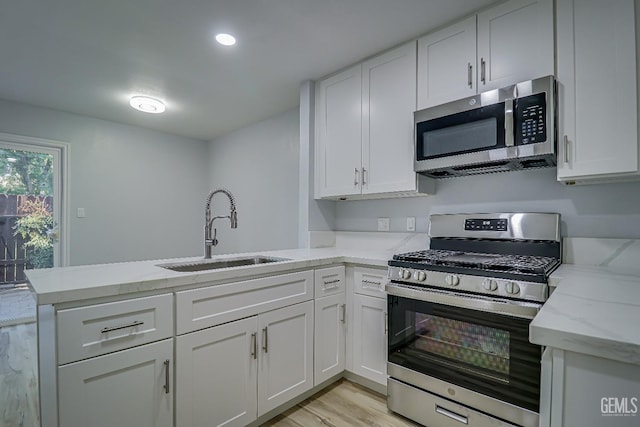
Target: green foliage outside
x=34, y=228
x=28, y=173
x=24, y=172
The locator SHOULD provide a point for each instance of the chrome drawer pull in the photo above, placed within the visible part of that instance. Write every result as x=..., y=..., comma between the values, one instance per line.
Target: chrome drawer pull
x=166, y=376
x=369, y=282
x=116, y=328
x=331, y=282
x=440, y=410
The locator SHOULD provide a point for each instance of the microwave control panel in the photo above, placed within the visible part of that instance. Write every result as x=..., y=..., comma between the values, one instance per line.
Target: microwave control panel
x=530, y=119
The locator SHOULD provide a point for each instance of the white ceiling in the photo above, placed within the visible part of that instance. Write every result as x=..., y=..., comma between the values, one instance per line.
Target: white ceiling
x=88, y=57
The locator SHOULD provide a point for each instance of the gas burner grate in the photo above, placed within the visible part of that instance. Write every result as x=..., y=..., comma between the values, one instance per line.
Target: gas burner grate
x=487, y=262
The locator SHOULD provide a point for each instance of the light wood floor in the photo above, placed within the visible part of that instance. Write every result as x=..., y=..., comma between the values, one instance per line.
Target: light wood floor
x=344, y=404
x=19, y=376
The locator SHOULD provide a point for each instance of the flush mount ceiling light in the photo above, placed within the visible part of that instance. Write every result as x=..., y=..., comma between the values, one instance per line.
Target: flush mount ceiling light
x=147, y=104
x=225, y=39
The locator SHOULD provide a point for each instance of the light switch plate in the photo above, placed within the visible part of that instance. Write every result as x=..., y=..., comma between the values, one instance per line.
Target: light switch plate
x=383, y=224
x=411, y=223
x=81, y=213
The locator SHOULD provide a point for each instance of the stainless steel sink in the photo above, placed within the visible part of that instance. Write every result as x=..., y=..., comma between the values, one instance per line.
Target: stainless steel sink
x=221, y=263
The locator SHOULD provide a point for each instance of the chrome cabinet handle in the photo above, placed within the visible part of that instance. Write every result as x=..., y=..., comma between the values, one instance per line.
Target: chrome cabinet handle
x=566, y=149
x=265, y=340
x=386, y=323
x=254, y=345
x=508, y=123
x=356, y=177
x=470, y=75
x=331, y=282
x=343, y=312
x=116, y=328
x=483, y=66
x=364, y=176
x=166, y=376
x=447, y=413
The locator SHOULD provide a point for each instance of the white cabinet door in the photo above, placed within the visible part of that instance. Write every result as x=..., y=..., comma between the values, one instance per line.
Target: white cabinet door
x=217, y=375
x=597, y=89
x=131, y=387
x=388, y=103
x=515, y=43
x=588, y=391
x=370, y=338
x=447, y=64
x=339, y=134
x=285, y=356
x=330, y=336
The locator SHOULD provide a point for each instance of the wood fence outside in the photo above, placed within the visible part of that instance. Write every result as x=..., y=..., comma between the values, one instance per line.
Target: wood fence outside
x=13, y=260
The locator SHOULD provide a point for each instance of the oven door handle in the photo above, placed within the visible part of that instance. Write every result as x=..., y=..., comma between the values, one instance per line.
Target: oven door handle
x=526, y=310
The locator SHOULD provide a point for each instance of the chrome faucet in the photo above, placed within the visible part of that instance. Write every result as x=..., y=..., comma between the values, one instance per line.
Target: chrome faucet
x=208, y=221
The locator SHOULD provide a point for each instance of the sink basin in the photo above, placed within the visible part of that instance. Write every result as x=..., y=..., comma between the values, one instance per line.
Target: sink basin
x=220, y=263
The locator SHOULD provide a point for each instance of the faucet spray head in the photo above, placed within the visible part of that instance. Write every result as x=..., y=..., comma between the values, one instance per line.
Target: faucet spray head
x=233, y=217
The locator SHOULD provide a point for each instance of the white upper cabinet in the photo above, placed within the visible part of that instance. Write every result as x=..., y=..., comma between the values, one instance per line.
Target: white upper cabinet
x=447, y=64
x=506, y=44
x=597, y=91
x=339, y=133
x=515, y=43
x=364, y=129
x=388, y=103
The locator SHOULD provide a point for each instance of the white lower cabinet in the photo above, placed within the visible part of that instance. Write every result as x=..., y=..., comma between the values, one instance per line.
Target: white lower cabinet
x=370, y=338
x=285, y=358
x=233, y=373
x=132, y=387
x=217, y=375
x=330, y=336
x=584, y=390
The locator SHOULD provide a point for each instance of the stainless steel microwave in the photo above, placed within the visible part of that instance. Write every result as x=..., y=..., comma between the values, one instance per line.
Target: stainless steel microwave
x=512, y=128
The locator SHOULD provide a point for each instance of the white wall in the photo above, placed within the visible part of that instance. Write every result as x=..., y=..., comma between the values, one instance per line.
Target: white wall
x=259, y=165
x=143, y=190
x=605, y=210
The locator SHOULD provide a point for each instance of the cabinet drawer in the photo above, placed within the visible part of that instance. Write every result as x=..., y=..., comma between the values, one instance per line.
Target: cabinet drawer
x=370, y=281
x=329, y=281
x=214, y=305
x=103, y=328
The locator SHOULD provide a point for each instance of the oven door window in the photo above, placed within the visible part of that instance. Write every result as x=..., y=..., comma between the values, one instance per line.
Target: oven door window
x=484, y=352
x=475, y=130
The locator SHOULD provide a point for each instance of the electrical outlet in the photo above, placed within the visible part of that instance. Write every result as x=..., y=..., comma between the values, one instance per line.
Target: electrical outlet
x=411, y=223
x=383, y=224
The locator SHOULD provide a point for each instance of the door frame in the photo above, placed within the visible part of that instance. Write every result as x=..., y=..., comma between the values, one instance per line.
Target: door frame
x=61, y=150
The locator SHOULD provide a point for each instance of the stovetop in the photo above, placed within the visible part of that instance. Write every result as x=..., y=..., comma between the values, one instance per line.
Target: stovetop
x=516, y=264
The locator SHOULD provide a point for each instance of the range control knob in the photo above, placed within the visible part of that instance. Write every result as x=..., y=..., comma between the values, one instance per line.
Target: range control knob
x=489, y=284
x=512, y=288
x=420, y=276
x=404, y=274
x=451, y=280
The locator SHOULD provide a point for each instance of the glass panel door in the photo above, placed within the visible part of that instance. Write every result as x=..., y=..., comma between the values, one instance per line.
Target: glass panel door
x=29, y=210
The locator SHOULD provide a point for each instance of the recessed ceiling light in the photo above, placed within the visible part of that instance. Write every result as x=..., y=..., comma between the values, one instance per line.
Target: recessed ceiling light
x=225, y=39
x=147, y=104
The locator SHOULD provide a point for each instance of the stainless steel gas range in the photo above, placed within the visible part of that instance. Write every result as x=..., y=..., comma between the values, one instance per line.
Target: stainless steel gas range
x=459, y=314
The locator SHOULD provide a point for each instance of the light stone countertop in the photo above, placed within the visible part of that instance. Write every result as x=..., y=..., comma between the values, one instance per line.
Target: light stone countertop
x=594, y=310
x=70, y=284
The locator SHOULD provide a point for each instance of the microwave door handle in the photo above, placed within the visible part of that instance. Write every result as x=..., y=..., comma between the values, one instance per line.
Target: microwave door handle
x=508, y=123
